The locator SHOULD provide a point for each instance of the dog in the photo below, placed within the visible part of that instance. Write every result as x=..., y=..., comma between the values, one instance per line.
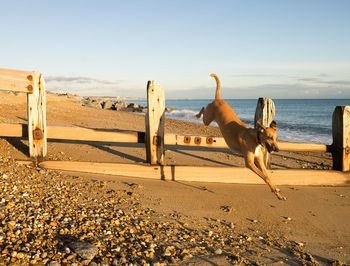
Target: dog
x=241, y=138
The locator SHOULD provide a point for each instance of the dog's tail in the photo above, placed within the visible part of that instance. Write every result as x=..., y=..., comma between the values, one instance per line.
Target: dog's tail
x=217, y=93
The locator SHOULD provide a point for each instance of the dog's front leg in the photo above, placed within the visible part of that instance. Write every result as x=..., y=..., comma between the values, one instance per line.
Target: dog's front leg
x=261, y=165
x=250, y=163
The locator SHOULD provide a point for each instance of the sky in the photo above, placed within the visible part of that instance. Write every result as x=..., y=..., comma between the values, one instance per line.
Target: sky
x=277, y=49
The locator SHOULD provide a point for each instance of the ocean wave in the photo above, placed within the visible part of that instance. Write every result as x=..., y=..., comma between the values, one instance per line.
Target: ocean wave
x=296, y=132
x=184, y=114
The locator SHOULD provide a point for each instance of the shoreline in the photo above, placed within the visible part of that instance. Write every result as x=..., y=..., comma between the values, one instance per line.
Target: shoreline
x=308, y=133
x=222, y=223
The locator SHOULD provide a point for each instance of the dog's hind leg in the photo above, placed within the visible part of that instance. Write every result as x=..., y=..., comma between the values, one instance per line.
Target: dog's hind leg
x=261, y=171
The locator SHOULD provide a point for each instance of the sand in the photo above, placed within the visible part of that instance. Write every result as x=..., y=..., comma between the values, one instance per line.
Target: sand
x=312, y=226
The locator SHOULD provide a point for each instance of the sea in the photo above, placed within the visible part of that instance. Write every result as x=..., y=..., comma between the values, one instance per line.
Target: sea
x=299, y=120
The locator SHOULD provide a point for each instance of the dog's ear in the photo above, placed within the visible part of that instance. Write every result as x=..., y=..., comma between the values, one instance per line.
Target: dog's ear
x=273, y=124
x=260, y=126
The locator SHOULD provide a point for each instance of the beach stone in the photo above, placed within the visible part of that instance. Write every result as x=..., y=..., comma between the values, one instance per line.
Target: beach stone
x=54, y=263
x=169, y=251
x=108, y=104
x=133, y=106
x=218, y=251
x=11, y=225
x=85, y=250
x=232, y=226
x=119, y=106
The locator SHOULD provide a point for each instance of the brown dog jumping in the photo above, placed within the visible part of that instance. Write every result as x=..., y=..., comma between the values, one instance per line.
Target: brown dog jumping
x=241, y=138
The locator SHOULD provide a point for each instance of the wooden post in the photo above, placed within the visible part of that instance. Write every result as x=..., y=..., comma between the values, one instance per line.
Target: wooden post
x=341, y=138
x=155, y=120
x=36, y=104
x=264, y=114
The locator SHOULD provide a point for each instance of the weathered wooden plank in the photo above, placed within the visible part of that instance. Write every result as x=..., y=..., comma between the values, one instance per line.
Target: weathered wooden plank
x=195, y=141
x=205, y=174
x=154, y=121
x=219, y=142
x=36, y=110
x=83, y=134
x=13, y=130
x=341, y=138
x=303, y=147
x=15, y=72
x=17, y=85
x=265, y=112
x=72, y=133
x=16, y=80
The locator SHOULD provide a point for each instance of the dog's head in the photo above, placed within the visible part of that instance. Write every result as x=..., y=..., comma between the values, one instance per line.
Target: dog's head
x=267, y=136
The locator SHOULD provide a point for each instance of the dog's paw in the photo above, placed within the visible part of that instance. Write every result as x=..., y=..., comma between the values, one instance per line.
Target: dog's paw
x=277, y=191
x=279, y=196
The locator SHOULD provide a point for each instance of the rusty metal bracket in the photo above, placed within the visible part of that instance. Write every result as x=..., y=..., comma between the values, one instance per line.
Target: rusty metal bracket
x=210, y=140
x=38, y=134
x=197, y=140
x=187, y=139
x=30, y=88
x=347, y=150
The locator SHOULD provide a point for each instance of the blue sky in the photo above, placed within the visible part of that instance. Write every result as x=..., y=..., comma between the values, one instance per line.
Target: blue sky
x=278, y=49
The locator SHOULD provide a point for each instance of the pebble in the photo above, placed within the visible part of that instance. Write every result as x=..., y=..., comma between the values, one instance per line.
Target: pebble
x=218, y=251
x=54, y=263
x=85, y=250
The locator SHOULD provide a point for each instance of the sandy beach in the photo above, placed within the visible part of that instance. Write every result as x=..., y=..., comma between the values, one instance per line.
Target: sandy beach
x=57, y=217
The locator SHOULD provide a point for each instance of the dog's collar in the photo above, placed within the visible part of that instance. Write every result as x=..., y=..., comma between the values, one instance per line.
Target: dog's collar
x=258, y=136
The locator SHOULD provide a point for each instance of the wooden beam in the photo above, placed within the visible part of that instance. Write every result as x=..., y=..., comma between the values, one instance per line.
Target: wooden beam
x=24, y=84
x=95, y=135
x=36, y=110
x=303, y=147
x=195, y=141
x=74, y=133
x=205, y=174
x=154, y=121
x=83, y=134
x=341, y=138
x=13, y=130
x=16, y=80
x=15, y=73
x=219, y=142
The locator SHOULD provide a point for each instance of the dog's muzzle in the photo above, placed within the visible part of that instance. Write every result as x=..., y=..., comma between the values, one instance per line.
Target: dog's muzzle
x=271, y=148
